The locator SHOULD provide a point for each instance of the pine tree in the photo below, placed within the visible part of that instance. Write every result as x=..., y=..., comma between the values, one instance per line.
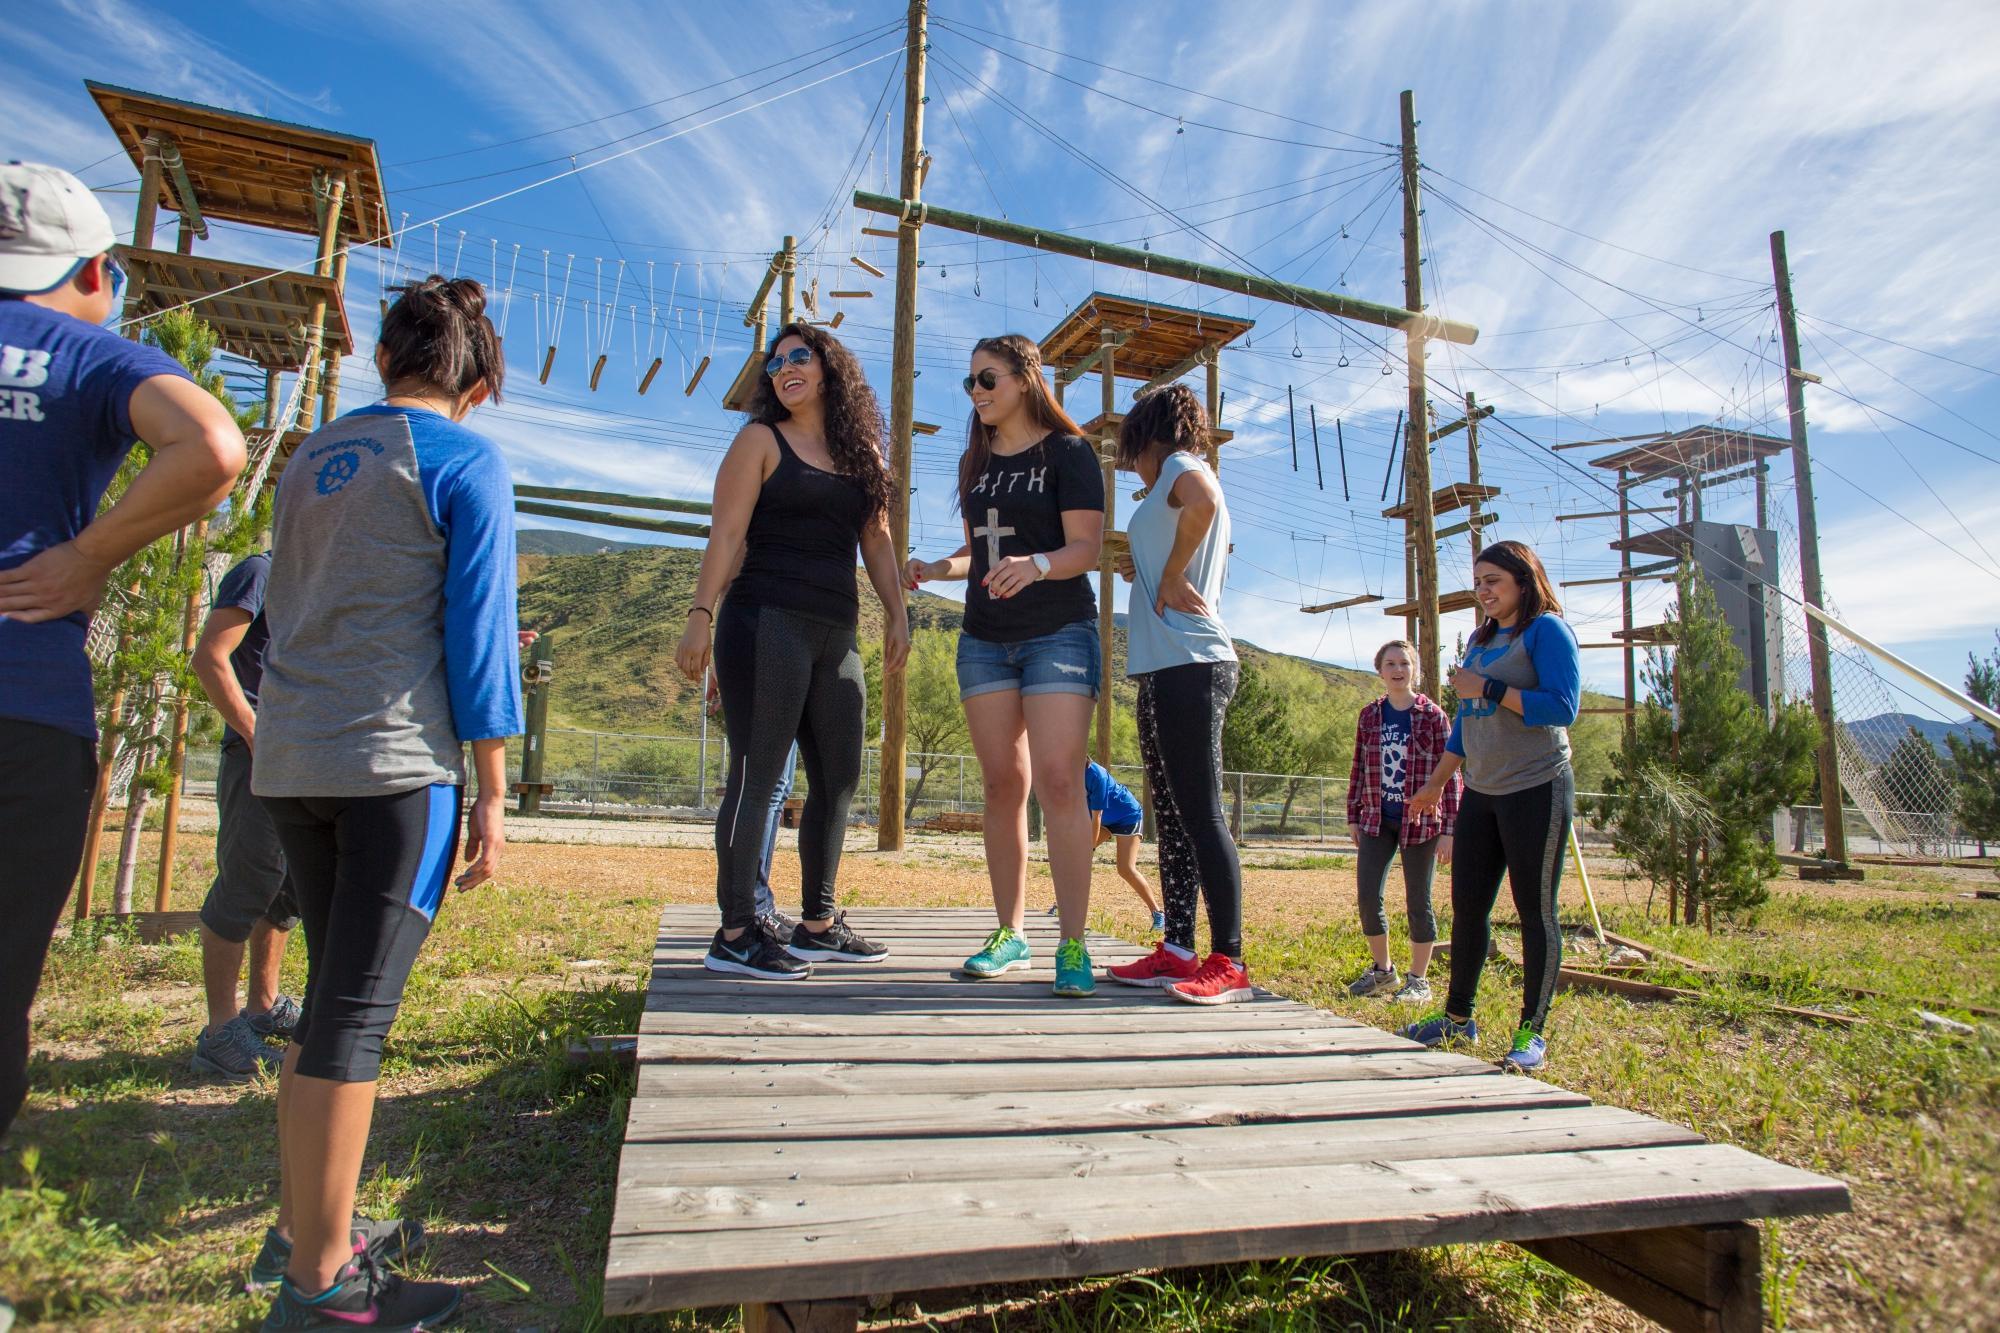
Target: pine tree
x=1707, y=768
x=1975, y=763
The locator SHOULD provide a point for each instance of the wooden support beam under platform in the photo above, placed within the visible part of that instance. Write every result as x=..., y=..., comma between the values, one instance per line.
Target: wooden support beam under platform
x=1105, y=426
x=1462, y=600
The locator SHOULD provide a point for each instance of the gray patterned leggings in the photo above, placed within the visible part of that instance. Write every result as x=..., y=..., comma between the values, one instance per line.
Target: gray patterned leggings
x=1180, y=735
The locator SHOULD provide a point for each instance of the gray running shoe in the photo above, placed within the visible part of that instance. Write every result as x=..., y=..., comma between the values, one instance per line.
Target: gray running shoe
x=277, y=1021
x=1373, y=982
x=778, y=926
x=234, y=1052
x=1416, y=990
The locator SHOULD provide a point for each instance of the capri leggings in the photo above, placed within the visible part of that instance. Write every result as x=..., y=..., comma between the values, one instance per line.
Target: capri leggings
x=1181, y=709
x=1377, y=851
x=369, y=873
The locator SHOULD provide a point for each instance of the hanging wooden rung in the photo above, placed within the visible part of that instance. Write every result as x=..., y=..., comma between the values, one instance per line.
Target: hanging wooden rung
x=838, y=315
x=651, y=371
x=1360, y=600
x=598, y=370
x=699, y=371
x=548, y=363
x=865, y=266
x=886, y=233
x=852, y=296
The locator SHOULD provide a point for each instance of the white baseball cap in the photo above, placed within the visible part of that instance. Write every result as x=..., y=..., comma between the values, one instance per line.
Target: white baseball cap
x=49, y=223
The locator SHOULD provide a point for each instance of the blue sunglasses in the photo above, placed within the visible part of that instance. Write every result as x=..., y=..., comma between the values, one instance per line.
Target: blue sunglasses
x=798, y=356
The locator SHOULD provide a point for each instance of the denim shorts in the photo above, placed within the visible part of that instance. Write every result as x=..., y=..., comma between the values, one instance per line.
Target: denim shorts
x=1065, y=662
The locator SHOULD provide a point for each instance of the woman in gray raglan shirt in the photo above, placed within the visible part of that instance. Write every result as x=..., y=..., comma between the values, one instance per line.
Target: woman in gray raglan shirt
x=1517, y=697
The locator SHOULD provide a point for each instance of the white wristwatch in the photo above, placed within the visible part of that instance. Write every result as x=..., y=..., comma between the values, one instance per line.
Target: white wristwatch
x=1041, y=563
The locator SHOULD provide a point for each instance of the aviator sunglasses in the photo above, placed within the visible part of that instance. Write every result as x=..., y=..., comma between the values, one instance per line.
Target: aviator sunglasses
x=985, y=379
x=798, y=356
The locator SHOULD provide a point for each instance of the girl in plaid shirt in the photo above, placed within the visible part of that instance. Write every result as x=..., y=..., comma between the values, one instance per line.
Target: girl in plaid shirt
x=1398, y=741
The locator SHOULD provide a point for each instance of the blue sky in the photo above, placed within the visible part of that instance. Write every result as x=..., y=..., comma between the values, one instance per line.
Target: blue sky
x=1601, y=184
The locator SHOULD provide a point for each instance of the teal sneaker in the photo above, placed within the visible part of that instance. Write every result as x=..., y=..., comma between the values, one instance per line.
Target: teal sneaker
x=1075, y=978
x=1530, y=1053
x=1437, y=1030
x=1003, y=951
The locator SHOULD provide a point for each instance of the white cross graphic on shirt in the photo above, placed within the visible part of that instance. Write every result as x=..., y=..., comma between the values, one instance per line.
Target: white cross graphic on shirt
x=992, y=532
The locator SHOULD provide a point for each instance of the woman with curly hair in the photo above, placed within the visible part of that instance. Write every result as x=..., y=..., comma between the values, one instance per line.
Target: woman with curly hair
x=803, y=484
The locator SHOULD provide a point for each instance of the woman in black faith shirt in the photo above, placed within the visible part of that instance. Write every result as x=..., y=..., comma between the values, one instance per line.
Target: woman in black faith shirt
x=1032, y=495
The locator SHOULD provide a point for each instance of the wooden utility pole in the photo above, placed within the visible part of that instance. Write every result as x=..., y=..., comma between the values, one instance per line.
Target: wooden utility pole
x=1107, y=453
x=788, y=281
x=1625, y=611
x=1421, y=523
x=535, y=741
x=329, y=196
x=902, y=413
x=194, y=546
x=1822, y=665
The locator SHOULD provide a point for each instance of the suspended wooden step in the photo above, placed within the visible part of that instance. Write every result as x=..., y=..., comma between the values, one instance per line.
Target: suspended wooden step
x=548, y=364
x=1341, y=605
x=851, y=296
x=1640, y=634
x=923, y=428
x=597, y=371
x=651, y=371
x=1447, y=498
x=886, y=233
x=699, y=371
x=1462, y=600
x=838, y=315
x=865, y=266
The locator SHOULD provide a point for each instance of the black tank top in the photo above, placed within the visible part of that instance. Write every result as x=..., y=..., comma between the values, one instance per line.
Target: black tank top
x=802, y=543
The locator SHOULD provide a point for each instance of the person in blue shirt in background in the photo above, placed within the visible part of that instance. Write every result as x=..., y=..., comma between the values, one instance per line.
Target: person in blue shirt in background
x=394, y=646
x=1115, y=813
x=1518, y=690
x=74, y=398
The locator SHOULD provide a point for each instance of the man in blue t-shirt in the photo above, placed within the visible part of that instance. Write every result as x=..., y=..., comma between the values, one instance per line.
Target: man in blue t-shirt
x=251, y=899
x=74, y=397
x=1115, y=813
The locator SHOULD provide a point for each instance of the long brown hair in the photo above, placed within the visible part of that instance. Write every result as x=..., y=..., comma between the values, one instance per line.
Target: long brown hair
x=438, y=332
x=854, y=427
x=1171, y=413
x=1022, y=354
x=1538, y=595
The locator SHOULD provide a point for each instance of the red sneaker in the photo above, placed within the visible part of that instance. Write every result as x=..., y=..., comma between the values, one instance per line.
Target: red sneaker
x=1158, y=968
x=1219, y=981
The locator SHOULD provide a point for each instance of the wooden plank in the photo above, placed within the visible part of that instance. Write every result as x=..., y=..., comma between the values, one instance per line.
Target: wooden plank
x=824, y=1316
x=688, y=1247
x=717, y=1120
x=1205, y=1044
x=1226, y=1023
x=1700, y=1279
x=1113, y=1077
x=1130, y=1153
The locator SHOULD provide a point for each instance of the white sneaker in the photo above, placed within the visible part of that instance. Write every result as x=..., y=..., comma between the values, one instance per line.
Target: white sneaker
x=1373, y=982
x=1415, y=990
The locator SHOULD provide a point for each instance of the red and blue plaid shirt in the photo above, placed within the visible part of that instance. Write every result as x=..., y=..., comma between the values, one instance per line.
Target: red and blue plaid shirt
x=1429, y=729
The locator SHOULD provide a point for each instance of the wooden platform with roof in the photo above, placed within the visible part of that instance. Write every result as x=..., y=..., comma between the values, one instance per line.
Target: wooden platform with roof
x=1123, y=337
x=203, y=162
x=799, y=1147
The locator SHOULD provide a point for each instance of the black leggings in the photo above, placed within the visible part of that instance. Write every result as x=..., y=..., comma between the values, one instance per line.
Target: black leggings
x=785, y=677
x=369, y=873
x=45, y=779
x=1524, y=836
x=1377, y=852
x=1180, y=735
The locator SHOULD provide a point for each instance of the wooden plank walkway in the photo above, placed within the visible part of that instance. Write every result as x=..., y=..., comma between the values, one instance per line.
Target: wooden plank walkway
x=895, y=1127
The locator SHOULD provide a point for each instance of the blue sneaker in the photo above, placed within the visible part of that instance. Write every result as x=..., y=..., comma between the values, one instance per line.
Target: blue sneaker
x=1437, y=1030
x=385, y=1241
x=1003, y=951
x=1529, y=1054
x=1075, y=978
x=1159, y=921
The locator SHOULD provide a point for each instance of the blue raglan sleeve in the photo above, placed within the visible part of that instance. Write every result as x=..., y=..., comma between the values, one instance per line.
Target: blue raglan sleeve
x=476, y=513
x=1455, y=743
x=1559, y=668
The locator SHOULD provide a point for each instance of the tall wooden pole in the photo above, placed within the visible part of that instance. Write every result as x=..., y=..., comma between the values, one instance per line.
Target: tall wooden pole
x=194, y=547
x=902, y=412
x=1625, y=610
x=331, y=195
x=329, y=392
x=1822, y=665
x=1107, y=453
x=1421, y=524
x=788, y=282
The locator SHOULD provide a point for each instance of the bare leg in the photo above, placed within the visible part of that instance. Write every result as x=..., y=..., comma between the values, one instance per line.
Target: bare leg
x=267, y=957
x=325, y=1133
x=1000, y=740
x=1057, y=727
x=287, y=1080
x=1378, y=948
x=1128, y=870
x=221, y=965
x=1420, y=957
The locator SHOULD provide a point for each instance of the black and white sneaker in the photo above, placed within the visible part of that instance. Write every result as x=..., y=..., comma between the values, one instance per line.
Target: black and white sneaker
x=755, y=955
x=778, y=926
x=835, y=944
